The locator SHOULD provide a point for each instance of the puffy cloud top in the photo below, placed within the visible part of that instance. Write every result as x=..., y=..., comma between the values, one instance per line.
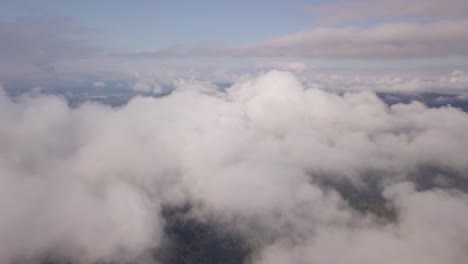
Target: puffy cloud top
x=88, y=183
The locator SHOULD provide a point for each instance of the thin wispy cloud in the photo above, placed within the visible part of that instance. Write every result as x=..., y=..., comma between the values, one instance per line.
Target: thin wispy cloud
x=384, y=41
x=365, y=10
x=30, y=46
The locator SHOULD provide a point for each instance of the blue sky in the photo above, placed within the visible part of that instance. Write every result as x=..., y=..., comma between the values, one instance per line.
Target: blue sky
x=146, y=24
x=151, y=25
x=50, y=39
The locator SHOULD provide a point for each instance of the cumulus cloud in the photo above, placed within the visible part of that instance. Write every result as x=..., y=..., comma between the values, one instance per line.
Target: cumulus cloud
x=293, y=66
x=457, y=79
x=99, y=84
x=160, y=83
x=87, y=184
x=420, y=236
x=146, y=85
x=454, y=82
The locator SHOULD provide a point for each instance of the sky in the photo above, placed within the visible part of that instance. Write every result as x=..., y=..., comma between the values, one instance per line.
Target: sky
x=47, y=40
x=149, y=24
x=152, y=25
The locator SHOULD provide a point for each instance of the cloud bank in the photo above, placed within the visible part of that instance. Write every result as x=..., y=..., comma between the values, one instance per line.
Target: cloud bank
x=88, y=184
x=454, y=82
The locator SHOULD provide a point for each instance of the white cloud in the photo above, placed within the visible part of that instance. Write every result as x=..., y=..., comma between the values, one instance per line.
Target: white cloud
x=456, y=81
x=88, y=183
x=99, y=84
x=421, y=236
x=293, y=66
x=146, y=85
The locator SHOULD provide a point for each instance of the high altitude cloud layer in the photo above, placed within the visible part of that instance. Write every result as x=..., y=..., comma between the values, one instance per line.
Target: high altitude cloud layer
x=454, y=82
x=360, y=29
x=362, y=10
x=436, y=30
x=30, y=46
x=87, y=184
x=385, y=41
